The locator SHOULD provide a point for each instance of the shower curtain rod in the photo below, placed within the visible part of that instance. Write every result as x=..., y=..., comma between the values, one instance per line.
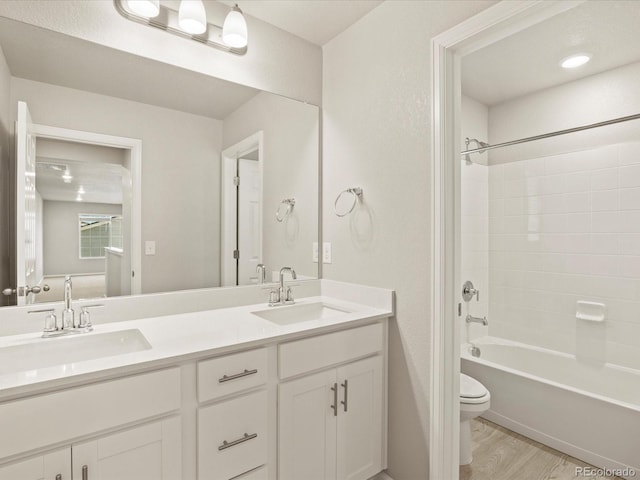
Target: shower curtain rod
x=553, y=134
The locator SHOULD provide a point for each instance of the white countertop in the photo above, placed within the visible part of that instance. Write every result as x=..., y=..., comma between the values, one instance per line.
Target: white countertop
x=178, y=338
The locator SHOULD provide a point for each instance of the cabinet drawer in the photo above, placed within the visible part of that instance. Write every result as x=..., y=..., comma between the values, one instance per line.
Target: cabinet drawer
x=232, y=437
x=43, y=420
x=321, y=351
x=261, y=473
x=232, y=373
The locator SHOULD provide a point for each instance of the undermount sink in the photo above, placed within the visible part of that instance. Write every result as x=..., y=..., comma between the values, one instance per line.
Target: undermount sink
x=48, y=352
x=288, y=314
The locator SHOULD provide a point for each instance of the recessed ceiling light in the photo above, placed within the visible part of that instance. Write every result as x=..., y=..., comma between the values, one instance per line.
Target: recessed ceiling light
x=81, y=190
x=575, y=60
x=66, y=176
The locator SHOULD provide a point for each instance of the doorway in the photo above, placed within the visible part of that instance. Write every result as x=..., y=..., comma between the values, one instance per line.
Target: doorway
x=491, y=25
x=28, y=262
x=242, y=222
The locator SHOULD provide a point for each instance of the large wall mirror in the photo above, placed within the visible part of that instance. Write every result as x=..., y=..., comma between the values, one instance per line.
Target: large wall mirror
x=226, y=176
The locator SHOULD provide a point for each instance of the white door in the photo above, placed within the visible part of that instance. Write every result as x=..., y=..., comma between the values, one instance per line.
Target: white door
x=360, y=419
x=249, y=231
x=307, y=428
x=51, y=466
x=149, y=452
x=26, y=236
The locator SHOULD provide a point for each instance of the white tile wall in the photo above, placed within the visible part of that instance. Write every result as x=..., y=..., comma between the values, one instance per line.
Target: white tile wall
x=475, y=242
x=565, y=228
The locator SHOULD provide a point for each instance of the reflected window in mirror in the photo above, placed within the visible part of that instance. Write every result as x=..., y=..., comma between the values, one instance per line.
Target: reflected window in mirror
x=97, y=232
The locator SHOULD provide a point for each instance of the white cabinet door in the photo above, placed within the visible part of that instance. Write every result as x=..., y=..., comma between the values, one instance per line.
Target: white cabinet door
x=359, y=436
x=149, y=452
x=51, y=466
x=307, y=428
x=320, y=442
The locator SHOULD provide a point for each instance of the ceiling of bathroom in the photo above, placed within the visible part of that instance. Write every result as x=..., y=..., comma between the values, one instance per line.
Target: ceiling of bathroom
x=43, y=55
x=46, y=56
x=529, y=61
x=317, y=21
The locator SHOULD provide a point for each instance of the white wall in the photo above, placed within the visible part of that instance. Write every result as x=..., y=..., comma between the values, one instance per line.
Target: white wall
x=474, y=221
x=290, y=170
x=61, y=237
x=6, y=205
x=180, y=176
x=276, y=61
x=593, y=99
x=376, y=135
x=565, y=219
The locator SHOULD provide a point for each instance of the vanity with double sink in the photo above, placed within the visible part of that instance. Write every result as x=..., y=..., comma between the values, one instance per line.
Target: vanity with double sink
x=219, y=392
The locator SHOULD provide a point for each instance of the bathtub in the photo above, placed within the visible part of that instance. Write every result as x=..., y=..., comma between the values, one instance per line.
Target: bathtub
x=589, y=411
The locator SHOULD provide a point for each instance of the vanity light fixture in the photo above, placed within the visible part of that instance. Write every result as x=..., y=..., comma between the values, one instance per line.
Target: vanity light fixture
x=234, y=29
x=575, y=61
x=192, y=17
x=66, y=176
x=190, y=21
x=144, y=8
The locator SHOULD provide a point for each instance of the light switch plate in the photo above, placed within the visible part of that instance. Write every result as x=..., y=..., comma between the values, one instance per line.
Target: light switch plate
x=150, y=247
x=326, y=252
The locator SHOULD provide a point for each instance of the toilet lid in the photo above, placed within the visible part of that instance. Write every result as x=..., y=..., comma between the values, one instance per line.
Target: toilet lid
x=471, y=388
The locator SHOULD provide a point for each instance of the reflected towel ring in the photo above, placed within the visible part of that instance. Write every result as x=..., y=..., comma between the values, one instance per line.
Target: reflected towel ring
x=281, y=213
x=357, y=195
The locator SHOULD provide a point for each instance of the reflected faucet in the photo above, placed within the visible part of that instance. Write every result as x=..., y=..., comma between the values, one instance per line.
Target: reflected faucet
x=261, y=270
x=68, y=315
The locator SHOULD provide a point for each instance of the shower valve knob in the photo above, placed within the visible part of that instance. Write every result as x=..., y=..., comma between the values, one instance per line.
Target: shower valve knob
x=468, y=292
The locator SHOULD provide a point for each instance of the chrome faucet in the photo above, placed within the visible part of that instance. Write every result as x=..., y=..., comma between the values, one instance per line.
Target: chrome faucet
x=68, y=315
x=283, y=295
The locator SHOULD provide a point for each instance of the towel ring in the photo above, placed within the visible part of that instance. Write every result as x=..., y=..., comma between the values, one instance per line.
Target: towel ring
x=357, y=195
x=282, y=213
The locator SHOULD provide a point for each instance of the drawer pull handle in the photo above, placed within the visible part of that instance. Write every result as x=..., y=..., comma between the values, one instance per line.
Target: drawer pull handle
x=226, y=378
x=335, y=399
x=345, y=385
x=85, y=472
x=246, y=437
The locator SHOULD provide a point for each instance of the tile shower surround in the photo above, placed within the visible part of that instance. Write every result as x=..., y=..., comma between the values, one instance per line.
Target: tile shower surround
x=565, y=228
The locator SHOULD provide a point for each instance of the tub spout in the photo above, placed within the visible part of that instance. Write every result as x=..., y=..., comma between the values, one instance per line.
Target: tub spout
x=472, y=319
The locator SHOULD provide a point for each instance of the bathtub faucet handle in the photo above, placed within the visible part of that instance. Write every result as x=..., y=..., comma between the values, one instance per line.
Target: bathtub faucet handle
x=468, y=291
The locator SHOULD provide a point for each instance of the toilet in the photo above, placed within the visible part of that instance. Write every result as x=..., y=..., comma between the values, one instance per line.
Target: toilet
x=474, y=401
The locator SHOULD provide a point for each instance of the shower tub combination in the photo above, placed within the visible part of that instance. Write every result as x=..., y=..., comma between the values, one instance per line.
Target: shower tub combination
x=589, y=411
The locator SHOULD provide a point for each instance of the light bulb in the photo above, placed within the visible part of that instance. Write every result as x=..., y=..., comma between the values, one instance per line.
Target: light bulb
x=234, y=29
x=575, y=60
x=192, y=17
x=67, y=177
x=144, y=8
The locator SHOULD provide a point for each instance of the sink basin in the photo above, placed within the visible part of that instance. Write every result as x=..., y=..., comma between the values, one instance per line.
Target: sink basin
x=288, y=314
x=49, y=352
